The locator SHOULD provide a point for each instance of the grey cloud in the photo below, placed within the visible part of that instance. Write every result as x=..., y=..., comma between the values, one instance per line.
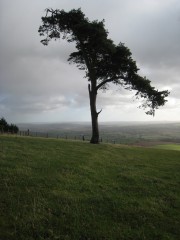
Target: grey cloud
x=152, y=32
x=34, y=78
x=35, y=105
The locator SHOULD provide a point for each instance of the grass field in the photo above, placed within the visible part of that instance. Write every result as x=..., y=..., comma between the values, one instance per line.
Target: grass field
x=175, y=147
x=54, y=189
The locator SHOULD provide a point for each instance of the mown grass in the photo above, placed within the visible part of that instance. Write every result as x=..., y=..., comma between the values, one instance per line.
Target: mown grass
x=54, y=189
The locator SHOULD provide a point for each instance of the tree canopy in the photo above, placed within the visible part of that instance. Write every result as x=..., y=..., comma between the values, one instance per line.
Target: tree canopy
x=102, y=60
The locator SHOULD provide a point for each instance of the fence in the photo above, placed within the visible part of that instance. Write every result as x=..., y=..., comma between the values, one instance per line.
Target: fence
x=54, y=135
x=71, y=135
x=64, y=135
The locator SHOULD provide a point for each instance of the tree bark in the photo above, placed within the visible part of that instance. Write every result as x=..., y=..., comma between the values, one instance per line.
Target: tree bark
x=94, y=115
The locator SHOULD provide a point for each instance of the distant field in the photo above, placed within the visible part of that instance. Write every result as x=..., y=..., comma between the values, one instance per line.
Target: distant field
x=169, y=146
x=56, y=189
x=135, y=133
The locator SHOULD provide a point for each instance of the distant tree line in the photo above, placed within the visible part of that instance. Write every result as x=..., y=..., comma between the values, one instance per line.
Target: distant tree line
x=5, y=127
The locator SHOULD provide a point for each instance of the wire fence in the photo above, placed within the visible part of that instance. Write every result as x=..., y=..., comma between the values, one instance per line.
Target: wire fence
x=82, y=137
x=112, y=138
x=63, y=135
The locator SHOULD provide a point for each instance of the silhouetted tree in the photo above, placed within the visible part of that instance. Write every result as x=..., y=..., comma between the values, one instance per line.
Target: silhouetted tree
x=13, y=128
x=103, y=61
x=5, y=127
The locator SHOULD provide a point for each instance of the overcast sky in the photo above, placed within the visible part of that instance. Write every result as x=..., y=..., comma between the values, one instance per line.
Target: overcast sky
x=37, y=84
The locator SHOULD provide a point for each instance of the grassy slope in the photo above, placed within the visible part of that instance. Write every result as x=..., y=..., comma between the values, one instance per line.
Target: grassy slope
x=53, y=189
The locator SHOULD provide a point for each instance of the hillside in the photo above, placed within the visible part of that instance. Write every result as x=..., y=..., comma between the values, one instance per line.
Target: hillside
x=58, y=189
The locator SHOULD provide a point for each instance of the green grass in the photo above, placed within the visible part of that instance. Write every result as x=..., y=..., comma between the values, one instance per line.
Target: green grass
x=175, y=147
x=54, y=189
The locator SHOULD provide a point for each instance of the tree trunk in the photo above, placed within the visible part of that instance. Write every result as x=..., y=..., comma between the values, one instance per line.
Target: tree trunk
x=94, y=116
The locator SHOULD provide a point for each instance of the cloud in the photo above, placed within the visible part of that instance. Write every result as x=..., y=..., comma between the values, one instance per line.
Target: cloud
x=35, y=79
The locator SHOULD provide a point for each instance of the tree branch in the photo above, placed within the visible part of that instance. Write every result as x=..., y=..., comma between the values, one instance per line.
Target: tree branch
x=87, y=61
x=99, y=112
x=109, y=80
